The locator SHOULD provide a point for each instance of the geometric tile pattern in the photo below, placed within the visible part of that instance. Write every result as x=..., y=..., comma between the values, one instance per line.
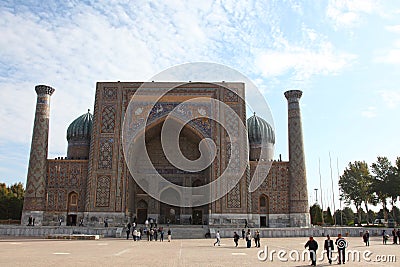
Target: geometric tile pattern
x=103, y=191
x=109, y=93
x=275, y=188
x=108, y=119
x=230, y=95
x=61, y=200
x=64, y=177
x=106, y=153
x=233, y=198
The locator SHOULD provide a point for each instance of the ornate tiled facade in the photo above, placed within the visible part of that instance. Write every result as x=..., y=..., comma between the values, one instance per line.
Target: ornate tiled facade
x=99, y=185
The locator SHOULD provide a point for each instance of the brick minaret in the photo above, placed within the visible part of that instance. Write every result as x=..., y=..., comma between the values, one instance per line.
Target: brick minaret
x=34, y=202
x=298, y=197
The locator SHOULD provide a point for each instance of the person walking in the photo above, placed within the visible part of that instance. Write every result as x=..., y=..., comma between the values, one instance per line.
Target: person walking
x=248, y=239
x=243, y=233
x=385, y=237
x=257, y=238
x=366, y=238
x=218, y=237
x=138, y=235
x=236, y=238
x=328, y=246
x=341, y=244
x=151, y=234
x=135, y=234
x=312, y=246
x=398, y=235
x=155, y=234
x=394, y=234
x=128, y=230
x=161, y=235
x=169, y=235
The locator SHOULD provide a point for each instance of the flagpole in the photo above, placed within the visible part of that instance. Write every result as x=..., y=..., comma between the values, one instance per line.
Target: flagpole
x=333, y=191
x=320, y=187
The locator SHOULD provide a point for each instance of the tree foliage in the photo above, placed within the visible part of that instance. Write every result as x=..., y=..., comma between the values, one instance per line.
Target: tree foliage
x=386, y=181
x=344, y=216
x=11, y=201
x=328, y=218
x=356, y=186
x=362, y=188
x=316, y=214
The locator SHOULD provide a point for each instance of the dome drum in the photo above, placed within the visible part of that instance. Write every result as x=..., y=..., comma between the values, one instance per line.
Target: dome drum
x=261, y=138
x=78, y=135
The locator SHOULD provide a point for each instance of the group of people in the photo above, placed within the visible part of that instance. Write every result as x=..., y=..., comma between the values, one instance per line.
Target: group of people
x=236, y=238
x=329, y=247
x=152, y=233
x=31, y=221
x=395, y=235
x=249, y=237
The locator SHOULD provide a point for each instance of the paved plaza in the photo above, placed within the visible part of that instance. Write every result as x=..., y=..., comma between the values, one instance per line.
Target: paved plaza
x=184, y=252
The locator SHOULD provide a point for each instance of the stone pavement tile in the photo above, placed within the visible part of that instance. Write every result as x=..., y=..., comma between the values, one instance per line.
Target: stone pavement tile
x=185, y=252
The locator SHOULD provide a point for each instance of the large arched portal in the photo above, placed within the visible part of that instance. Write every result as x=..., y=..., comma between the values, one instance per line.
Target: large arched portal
x=189, y=141
x=170, y=214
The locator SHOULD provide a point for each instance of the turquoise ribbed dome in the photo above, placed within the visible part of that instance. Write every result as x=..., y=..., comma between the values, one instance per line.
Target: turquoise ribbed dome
x=81, y=128
x=258, y=130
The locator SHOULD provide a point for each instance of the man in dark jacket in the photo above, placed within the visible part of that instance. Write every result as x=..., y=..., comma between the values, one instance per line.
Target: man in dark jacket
x=128, y=230
x=328, y=246
x=236, y=238
x=341, y=244
x=312, y=247
x=366, y=238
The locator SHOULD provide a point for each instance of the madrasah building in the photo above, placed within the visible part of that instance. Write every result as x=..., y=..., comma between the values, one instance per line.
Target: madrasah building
x=93, y=181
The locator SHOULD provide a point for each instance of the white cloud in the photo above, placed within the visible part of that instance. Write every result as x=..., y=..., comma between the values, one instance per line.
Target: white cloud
x=390, y=55
x=370, y=112
x=393, y=28
x=304, y=61
x=348, y=13
x=391, y=98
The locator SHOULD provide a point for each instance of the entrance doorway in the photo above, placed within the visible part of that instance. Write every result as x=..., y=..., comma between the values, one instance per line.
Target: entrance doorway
x=197, y=216
x=141, y=211
x=168, y=213
x=141, y=215
x=263, y=221
x=71, y=219
x=263, y=209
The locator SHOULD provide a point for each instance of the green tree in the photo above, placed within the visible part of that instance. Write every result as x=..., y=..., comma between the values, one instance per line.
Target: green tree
x=344, y=216
x=384, y=179
x=396, y=214
x=395, y=191
x=11, y=201
x=316, y=214
x=356, y=186
x=328, y=218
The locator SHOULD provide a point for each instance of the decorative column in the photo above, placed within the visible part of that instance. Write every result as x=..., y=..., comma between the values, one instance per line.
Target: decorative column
x=34, y=201
x=298, y=196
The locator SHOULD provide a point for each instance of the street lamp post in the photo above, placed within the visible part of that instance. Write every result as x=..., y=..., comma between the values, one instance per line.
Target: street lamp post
x=316, y=195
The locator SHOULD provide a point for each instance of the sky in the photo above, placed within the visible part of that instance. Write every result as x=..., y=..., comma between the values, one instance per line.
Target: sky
x=344, y=56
